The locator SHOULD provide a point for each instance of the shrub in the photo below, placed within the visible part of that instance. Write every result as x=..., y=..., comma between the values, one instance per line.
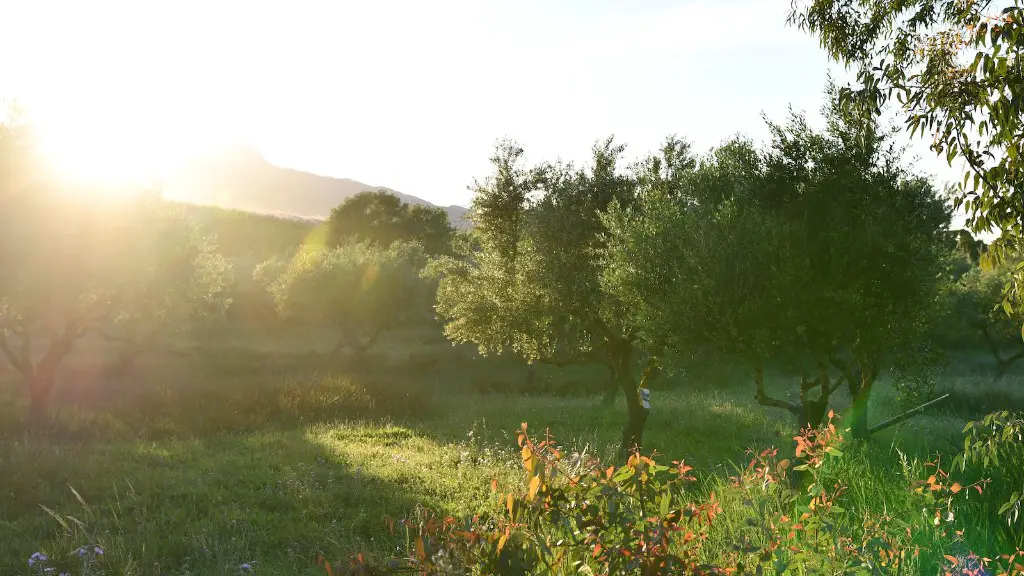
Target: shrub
x=577, y=516
x=996, y=442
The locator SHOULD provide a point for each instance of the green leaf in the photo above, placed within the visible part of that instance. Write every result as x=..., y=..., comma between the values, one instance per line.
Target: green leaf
x=666, y=502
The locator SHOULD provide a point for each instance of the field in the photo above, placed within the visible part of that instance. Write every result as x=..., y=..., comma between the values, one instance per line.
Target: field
x=262, y=450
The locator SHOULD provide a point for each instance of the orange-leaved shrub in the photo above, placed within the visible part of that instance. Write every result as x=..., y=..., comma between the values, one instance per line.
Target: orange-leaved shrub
x=647, y=518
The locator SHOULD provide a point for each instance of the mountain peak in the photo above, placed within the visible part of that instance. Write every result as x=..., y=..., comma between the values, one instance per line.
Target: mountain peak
x=240, y=178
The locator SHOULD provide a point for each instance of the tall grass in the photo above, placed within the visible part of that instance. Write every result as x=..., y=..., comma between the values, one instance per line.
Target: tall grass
x=202, y=465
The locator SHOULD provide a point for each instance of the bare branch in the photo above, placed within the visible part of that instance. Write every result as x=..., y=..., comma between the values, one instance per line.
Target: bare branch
x=763, y=399
x=8, y=353
x=908, y=414
x=105, y=336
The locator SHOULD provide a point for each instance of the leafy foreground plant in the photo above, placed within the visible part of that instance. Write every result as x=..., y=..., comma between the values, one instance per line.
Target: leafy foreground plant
x=996, y=442
x=575, y=516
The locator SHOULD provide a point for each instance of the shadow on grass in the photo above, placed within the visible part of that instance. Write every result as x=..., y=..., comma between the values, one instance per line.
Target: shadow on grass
x=208, y=505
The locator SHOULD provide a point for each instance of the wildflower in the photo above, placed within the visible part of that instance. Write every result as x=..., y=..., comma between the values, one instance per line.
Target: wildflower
x=245, y=567
x=49, y=570
x=81, y=552
x=98, y=550
x=37, y=558
x=63, y=574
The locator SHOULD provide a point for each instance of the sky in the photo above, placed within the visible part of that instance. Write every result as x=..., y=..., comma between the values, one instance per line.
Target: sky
x=411, y=95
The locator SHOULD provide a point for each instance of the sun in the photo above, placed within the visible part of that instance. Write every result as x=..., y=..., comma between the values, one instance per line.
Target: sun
x=115, y=159
x=117, y=147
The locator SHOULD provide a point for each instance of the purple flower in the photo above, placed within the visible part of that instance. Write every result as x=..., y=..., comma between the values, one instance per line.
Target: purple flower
x=98, y=550
x=37, y=558
x=49, y=570
x=63, y=574
x=81, y=552
x=245, y=567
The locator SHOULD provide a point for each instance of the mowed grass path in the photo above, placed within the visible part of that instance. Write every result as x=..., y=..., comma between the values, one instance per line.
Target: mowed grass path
x=198, y=479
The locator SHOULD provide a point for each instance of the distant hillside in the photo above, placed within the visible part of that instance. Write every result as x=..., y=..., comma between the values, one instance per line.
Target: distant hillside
x=243, y=180
x=248, y=238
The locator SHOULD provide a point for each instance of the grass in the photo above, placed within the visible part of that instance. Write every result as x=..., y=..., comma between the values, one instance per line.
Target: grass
x=197, y=465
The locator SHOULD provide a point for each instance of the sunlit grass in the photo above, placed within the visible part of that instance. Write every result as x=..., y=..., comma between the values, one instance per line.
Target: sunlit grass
x=238, y=463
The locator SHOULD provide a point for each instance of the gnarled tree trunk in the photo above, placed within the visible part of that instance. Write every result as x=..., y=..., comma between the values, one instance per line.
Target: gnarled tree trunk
x=861, y=394
x=40, y=389
x=633, y=431
x=810, y=412
x=859, y=381
x=39, y=376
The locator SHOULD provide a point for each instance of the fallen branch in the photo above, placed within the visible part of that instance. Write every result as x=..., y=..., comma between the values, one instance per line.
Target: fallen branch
x=906, y=415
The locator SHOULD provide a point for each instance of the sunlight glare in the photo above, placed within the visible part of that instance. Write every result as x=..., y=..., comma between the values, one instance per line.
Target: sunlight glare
x=118, y=149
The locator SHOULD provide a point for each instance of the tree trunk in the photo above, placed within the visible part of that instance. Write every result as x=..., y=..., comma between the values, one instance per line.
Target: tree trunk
x=530, y=381
x=633, y=432
x=812, y=413
x=40, y=387
x=860, y=383
x=859, y=414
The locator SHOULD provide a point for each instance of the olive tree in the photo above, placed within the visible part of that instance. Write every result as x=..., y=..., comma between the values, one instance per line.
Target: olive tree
x=131, y=269
x=819, y=253
x=532, y=285
x=978, y=302
x=358, y=289
x=381, y=218
x=180, y=284
x=953, y=68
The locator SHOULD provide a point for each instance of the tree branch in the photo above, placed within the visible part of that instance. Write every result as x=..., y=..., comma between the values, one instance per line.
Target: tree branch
x=106, y=336
x=8, y=353
x=847, y=371
x=825, y=381
x=990, y=342
x=763, y=399
x=908, y=414
x=1013, y=359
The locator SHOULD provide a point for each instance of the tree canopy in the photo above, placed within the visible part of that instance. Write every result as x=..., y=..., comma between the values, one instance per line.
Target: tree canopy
x=820, y=252
x=76, y=261
x=359, y=289
x=134, y=270
x=381, y=218
x=953, y=68
x=533, y=286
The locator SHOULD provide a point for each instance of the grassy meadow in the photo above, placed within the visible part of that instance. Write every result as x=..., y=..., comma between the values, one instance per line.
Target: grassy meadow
x=254, y=446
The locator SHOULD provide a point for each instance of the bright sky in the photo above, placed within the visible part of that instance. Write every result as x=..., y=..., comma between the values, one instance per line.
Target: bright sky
x=406, y=94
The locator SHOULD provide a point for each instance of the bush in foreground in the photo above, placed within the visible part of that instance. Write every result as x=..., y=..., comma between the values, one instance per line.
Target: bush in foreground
x=648, y=518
